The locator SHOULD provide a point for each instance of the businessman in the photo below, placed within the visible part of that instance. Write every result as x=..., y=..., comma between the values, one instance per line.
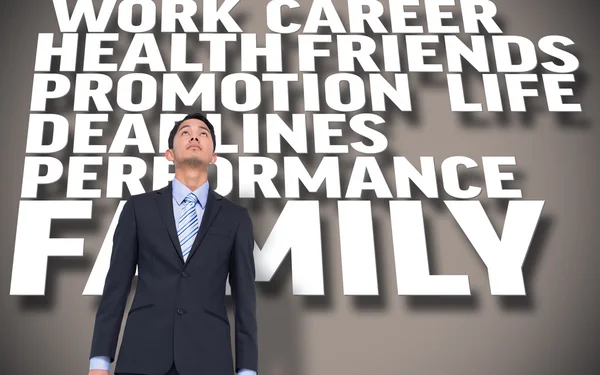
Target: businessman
x=186, y=241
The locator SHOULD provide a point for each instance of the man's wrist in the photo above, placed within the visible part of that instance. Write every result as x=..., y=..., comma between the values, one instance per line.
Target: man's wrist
x=100, y=363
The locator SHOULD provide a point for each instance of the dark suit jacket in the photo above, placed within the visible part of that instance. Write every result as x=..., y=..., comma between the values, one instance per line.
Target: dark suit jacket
x=178, y=313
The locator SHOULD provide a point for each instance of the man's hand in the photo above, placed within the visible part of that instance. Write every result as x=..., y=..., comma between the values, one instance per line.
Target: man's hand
x=98, y=372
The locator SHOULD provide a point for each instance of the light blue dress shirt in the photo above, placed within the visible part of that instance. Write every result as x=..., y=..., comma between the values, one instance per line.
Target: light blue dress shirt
x=180, y=191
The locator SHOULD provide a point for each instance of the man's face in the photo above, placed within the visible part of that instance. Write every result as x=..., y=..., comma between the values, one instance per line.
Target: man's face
x=192, y=145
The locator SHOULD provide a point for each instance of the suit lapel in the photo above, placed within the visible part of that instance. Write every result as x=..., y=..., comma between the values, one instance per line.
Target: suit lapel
x=213, y=205
x=164, y=199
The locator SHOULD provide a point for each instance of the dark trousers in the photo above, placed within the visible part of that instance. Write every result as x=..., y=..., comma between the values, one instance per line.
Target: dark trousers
x=172, y=371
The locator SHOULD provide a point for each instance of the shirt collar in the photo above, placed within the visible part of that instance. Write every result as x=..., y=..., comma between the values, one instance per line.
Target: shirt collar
x=180, y=191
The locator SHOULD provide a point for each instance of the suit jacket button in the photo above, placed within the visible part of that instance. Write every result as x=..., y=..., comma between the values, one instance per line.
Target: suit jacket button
x=184, y=274
x=180, y=312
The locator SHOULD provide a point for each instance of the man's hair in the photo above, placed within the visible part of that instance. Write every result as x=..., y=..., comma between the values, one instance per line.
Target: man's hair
x=197, y=116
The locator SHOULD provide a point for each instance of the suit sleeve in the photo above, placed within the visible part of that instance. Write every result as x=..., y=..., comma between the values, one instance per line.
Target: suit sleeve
x=242, y=275
x=117, y=285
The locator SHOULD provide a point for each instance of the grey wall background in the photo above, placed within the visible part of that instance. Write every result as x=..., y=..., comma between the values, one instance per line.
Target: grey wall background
x=551, y=331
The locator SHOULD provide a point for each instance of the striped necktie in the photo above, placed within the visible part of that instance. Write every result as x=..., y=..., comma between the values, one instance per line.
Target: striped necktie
x=187, y=228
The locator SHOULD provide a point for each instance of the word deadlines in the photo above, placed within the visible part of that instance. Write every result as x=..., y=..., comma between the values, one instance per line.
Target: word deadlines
x=124, y=60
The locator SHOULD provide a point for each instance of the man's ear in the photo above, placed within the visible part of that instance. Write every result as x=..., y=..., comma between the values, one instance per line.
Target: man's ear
x=214, y=158
x=169, y=155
